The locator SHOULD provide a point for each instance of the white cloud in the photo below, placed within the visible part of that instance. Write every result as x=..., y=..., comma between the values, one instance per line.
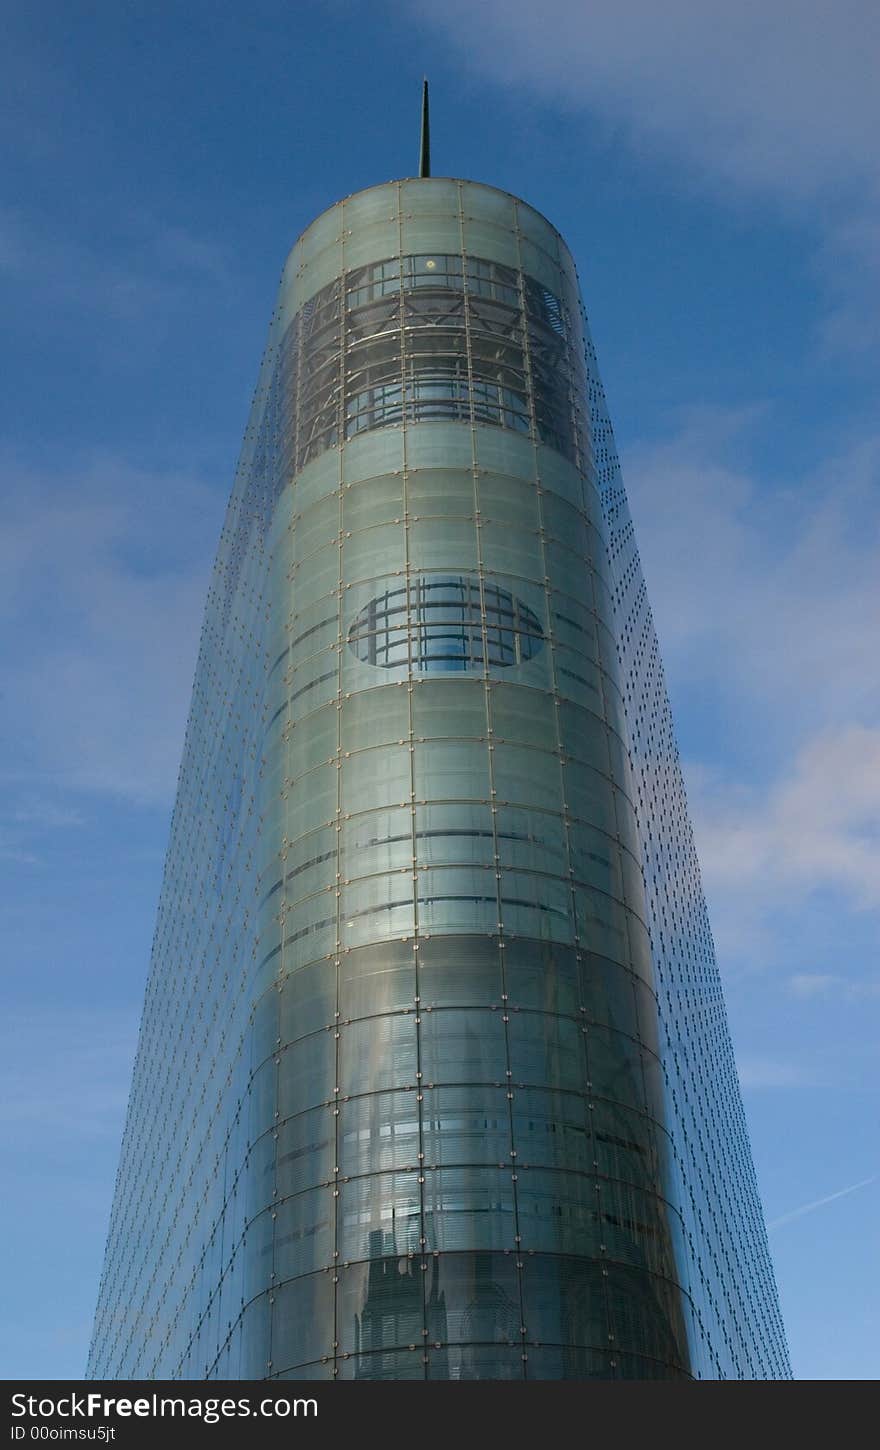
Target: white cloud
x=848, y=265
x=813, y=984
x=779, y=97
x=767, y=596
x=811, y=829
x=25, y=823
x=758, y=1073
x=765, y=590
x=772, y=101
x=768, y=612
x=808, y=985
x=46, y=815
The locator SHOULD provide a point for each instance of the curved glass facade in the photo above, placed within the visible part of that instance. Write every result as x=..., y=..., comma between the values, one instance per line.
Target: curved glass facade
x=402, y=1106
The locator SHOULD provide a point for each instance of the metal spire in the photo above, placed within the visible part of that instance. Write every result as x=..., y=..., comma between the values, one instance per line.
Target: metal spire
x=425, y=138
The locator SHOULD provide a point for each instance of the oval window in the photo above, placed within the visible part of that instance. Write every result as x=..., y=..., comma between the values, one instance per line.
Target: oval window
x=445, y=623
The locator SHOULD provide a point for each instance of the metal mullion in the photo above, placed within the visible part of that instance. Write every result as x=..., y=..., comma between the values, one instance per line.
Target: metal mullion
x=406, y=423
x=566, y=818
x=340, y=646
x=490, y=750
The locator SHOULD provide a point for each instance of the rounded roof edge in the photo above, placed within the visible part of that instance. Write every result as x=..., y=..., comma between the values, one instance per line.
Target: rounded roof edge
x=426, y=181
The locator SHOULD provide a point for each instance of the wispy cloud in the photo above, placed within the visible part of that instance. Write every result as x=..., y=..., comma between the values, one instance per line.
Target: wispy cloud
x=65, y=1075
x=810, y=985
x=778, y=102
x=783, y=584
x=25, y=824
x=805, y=1208
x=770, y=1072
x=768, y=613
x=812, y=828
x=780, y=97
x=146, y=269
x=104, y=569
x=46, y=815
x=847, y=264
x=11, y=849
x=813, y=984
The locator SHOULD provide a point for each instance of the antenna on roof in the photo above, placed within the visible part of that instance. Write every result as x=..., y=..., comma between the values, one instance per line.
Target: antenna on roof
x=425, y=138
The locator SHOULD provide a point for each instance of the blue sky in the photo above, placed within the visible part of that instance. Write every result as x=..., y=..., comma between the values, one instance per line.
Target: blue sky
x=715, y=171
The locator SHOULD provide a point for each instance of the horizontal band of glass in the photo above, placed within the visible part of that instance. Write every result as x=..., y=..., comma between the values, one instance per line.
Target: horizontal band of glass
x=425, y=337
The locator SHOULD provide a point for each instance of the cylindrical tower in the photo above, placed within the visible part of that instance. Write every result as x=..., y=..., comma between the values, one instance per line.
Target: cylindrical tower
x=457, y=1160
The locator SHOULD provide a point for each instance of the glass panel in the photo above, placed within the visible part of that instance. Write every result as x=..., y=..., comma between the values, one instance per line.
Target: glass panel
x=305, y=1151
x=440, y=492
x=306, y=1074
x=528, y=716
x=616, y=1067
x=376, y=777
x=550, y=1129
x=376, y=979
x=564, y=1301
x=378, y=1133
x=377, y=1053
x=257, y=1255
x=304, y=1230
x=390, y=1364
x=451, y=772
x=474, y=1362
x=542, y=975
x=302, y=1321
x=531, y=840
x=469, y=1208
x=317, y=526
x=380, y=1307
x=463, y=1045
x=379, y=501
x=457, y=899
x=379, y=1216
x=309, y=865
x=456, y=834
x=558, y=1212
x=459, y=971
x=307, y=1001
x=547, y=1051
x=527, y=777
x=476, y=1298
x=512, y=501
x=316, y=743
x=449, y=708
x=376, y=841
x=466, y=1125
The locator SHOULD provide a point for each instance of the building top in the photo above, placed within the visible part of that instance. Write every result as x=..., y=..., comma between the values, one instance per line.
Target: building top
x=423, y=215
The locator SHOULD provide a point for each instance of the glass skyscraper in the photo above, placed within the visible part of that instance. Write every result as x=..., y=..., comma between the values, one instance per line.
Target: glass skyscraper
x=434, y=1078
